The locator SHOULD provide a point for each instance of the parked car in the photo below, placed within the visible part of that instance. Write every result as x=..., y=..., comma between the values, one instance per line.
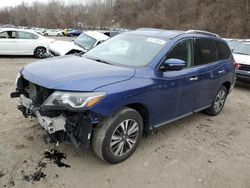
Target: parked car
x=65, y=31
x=74, y=33
x=23, y=42
x=86, y=41
x=41, y=31
x=242, y=56
x=110, y=33
x=234, y=43
x=133, y=83
x=53, y=32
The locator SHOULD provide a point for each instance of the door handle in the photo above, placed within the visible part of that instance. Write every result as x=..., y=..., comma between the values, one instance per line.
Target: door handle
x=221, y=71
x=194, y=78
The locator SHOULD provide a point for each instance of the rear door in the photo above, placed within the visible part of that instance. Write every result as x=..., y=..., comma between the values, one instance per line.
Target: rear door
x=27, y=42
x=210, y=71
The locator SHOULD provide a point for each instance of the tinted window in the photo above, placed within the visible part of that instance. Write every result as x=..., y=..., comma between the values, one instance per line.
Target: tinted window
x=204, y=51
x=223, y=50
x=26, y=35
x=183, y=51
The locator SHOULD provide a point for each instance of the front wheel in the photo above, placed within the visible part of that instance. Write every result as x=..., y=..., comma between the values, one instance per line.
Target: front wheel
x=218, y=102
x=117, y=137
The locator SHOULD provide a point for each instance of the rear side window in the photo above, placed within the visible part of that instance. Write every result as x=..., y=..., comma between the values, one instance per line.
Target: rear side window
x=204, y=51
x=223, y=50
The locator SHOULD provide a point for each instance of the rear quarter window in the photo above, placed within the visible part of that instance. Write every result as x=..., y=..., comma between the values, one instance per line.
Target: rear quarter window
x=223, y=50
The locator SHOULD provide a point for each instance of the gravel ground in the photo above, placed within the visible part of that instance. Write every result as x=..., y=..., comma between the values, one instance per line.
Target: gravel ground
x=198, y=151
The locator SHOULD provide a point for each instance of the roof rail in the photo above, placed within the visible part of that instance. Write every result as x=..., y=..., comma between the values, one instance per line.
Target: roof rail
x=202, y=32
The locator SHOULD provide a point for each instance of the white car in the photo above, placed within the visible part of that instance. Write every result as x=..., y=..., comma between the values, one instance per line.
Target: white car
x=86, y=41
x=53, y=32
x=242, y=56
x=23, y=42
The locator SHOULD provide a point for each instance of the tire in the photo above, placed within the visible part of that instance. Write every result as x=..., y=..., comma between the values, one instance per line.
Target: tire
x=46, y=34
x=218, y=102
x=113, y=145
x=40, y=52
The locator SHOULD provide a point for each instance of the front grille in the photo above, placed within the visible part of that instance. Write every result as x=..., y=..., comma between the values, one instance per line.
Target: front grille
x=244, y=67
x=53, y=53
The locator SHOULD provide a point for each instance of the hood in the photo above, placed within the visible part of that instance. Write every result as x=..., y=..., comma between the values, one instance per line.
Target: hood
x=242, y=59
x=63, y=47
x=74, y=73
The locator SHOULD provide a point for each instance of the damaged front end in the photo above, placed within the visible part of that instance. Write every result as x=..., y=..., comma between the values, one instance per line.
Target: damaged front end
x=64, y=115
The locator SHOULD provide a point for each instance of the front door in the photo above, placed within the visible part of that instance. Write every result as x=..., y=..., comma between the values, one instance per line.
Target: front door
x=177, y=93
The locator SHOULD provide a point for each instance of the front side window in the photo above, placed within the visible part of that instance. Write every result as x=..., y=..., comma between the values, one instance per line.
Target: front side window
x=204, y=51
x=26, y=35
x=128, y=50
x=8, y=35
x=244, y=49
x=183, y=50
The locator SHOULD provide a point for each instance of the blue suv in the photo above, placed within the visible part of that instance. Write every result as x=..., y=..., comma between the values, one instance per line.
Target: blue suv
x=129, y=85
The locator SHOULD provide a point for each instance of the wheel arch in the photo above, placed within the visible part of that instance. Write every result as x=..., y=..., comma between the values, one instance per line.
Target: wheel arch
x=227, y=85
x=144, y=112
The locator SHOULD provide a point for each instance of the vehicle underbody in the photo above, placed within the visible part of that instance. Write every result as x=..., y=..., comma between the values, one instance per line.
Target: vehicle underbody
x=73, y=127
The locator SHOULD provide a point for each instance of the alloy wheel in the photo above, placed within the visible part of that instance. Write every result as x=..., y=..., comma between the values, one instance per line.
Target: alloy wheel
x=220, y=100
x=124, y=137
x=40, y=52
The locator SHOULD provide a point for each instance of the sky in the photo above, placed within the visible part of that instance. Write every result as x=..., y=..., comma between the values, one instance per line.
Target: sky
x=11, y=3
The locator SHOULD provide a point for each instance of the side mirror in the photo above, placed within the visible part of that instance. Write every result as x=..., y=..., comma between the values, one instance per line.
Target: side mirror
x=173, y=65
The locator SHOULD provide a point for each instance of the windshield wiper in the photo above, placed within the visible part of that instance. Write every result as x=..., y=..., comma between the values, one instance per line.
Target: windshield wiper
x=100, y=60
x=241, y=53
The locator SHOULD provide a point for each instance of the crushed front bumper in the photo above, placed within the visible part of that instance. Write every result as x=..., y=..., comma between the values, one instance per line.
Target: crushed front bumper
x=51, y=125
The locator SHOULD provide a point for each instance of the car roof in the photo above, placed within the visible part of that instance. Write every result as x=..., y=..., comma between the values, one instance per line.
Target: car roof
x=96, y=35
x=170, y=34
x=15, y=29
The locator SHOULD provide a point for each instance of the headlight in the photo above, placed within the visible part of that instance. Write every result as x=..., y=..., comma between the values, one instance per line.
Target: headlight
x=75, y=100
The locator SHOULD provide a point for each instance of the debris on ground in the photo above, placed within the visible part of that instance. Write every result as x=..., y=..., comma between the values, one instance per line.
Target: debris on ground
x=56, y=157
x=52, y=155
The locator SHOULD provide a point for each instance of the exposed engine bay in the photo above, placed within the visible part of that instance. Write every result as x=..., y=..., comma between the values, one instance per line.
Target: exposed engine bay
x=61, y=125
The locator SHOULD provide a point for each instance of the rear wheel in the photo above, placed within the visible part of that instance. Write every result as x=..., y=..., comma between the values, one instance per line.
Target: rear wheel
x=40, y=52
x=116, y=138
x=218, y=102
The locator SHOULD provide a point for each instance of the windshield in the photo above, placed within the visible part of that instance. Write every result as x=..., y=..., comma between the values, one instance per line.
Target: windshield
x=234, y=44
x=127, y=50
x=85, y=41
x=243, y=49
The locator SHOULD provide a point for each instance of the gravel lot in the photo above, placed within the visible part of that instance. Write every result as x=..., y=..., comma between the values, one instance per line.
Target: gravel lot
x=198, y=151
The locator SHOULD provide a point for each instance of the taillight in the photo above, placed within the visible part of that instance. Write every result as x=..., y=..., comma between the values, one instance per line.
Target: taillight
x=236, y=66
